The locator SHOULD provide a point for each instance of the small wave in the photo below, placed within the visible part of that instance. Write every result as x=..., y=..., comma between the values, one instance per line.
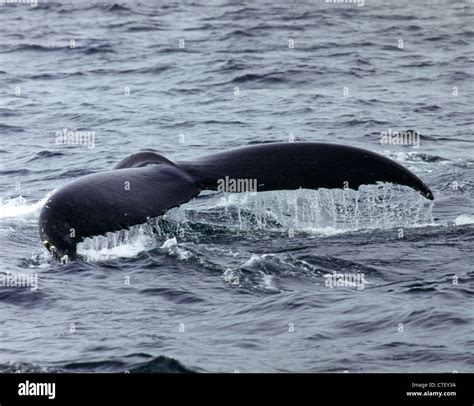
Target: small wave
x=238, y=34
x=145, y=28
x=259, y=78
x=410, y=27
x=358, y=121
x=264, y=273
x=22, y=367
x=36, y=48
x=100, y=49
x=72, y=173
x=429, y=318
x=45, y=154
x=132, y=363
x=87, y=50
x=53, y=76
x=174, y=50
x=437, y=38
x=229, y=65
x=177, y=296
x=160, y=364
x=5, y=112
x=420, y=64
x=114, y=71
x=16, y=172
x=427, y=108
x=116, y=8
x=241, y=13
x=250, y=276
x=24, y=296
x=12, y=128
x=423, y=136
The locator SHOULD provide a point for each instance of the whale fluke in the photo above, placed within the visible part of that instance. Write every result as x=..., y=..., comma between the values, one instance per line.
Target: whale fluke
x=146, y=185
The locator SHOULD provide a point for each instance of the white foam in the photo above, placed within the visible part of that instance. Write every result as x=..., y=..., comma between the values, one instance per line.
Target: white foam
x=169, y=243
x=21, y=207
x=267, y=282
x=464, y=219
x=231, y=276
x=122, y=244
x=173, y=249
x=128, y=250
x=182, y=254
x=128, y=244
x=254, y=260
x=323, y=231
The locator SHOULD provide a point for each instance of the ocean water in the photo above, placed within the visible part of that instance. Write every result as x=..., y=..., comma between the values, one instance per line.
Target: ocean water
x=232, y=282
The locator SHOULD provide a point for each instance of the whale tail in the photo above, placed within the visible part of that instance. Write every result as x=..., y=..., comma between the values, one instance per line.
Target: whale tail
x=146, y=185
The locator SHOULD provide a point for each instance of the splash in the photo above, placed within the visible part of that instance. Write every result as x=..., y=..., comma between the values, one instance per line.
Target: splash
x=21, y=207
x=129, y=243
x=320, y=211
x=172, y=247
x=121, y=244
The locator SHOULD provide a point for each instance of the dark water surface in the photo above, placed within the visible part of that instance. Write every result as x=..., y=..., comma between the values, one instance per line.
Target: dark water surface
x=242, y=287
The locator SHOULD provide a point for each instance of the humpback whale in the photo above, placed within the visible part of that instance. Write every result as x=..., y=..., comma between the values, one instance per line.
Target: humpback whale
x=146, y=185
